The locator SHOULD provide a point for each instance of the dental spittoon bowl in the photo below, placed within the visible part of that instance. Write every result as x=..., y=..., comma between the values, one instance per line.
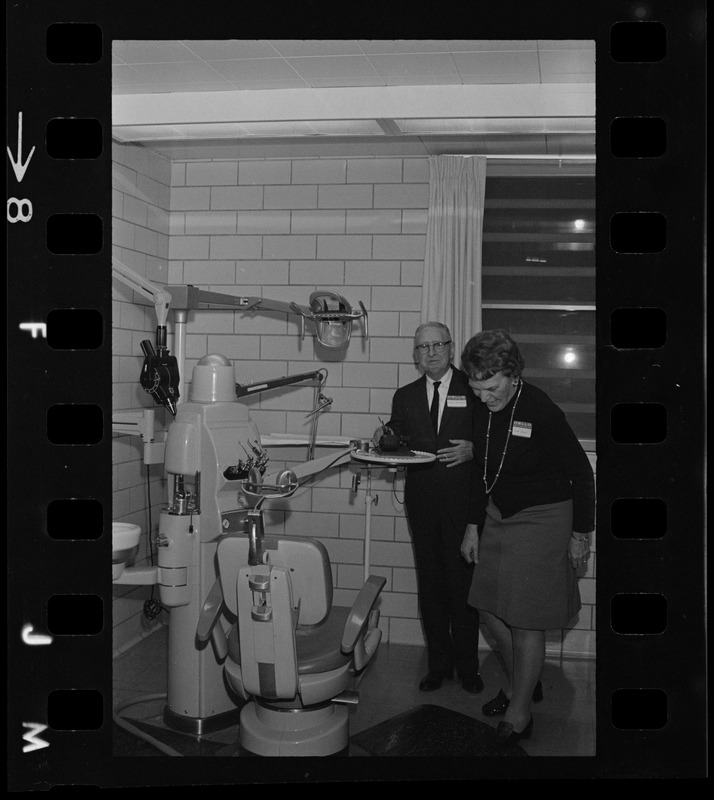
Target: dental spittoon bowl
x=125, y=545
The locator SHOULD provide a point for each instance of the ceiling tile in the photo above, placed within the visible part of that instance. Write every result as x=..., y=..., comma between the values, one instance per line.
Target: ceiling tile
x=566, y=44
x=123, y=74
x=479, y=45
x=483, y=79
x=159, y=88
x=255, y=69
x=521, y=64
x=210, y=50
x=421, y=80
x=289, y=48
x=182, y=72
x=276, y=83
x=434, y=64
x=570, y=61
x=326, y=67
x=337, y=82
x=151, y=52
x=377, y=46
x=258, y=65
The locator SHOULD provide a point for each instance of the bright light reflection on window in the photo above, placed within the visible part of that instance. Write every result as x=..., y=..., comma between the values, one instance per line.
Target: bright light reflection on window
x=579, y=224
x=569, y=357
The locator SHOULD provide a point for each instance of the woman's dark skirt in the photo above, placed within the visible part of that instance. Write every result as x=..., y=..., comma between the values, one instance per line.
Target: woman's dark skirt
x=524, y=575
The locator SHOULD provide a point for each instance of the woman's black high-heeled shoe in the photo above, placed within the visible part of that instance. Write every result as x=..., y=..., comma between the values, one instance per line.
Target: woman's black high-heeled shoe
x=500, y=703
x=506, y=735
x=497, y=706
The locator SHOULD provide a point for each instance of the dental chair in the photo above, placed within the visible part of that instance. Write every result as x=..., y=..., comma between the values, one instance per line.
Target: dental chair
x=291, y=655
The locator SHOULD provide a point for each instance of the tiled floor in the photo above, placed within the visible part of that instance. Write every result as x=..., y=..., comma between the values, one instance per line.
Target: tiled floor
x=564, y=722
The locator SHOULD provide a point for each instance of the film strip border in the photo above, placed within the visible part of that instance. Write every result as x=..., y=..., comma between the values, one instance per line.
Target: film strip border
x=650, y=379
x=650, y=206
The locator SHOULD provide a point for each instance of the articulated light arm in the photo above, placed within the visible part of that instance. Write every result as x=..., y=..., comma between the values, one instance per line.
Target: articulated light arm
x=331, y=314
x=160, y=297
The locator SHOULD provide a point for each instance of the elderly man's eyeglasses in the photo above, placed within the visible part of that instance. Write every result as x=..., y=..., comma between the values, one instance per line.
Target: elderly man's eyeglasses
x=437, y=347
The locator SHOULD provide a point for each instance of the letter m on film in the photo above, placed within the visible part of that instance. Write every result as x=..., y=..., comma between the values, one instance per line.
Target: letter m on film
x=32, y=737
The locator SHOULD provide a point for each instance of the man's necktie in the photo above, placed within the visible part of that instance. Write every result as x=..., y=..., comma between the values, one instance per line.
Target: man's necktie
x=435, y=406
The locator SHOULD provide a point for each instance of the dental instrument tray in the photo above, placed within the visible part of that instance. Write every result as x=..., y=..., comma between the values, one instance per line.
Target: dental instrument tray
x=394, y=457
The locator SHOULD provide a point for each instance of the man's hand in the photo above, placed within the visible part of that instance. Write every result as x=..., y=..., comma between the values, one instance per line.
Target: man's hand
x=461, y=452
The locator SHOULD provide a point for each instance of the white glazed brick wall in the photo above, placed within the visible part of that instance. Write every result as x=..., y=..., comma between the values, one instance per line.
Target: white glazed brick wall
x=140, y=211
x=281, y=229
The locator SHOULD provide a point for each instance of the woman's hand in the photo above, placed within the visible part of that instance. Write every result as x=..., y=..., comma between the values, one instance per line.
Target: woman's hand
x=579, y=550
x=461, y=452
x=469, y=545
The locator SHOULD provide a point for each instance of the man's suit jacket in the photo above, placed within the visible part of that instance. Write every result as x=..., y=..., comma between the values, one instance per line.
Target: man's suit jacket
x=433, y=489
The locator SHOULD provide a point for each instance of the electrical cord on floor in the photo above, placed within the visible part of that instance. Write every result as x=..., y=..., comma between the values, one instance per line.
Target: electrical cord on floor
x=127, y=726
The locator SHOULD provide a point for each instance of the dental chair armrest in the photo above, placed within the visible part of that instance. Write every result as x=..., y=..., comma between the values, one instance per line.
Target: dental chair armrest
x=207, y=627
x=361, y=634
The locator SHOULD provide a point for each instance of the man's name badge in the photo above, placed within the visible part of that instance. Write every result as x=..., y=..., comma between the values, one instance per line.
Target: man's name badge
x=456, y=401
x=523, y=429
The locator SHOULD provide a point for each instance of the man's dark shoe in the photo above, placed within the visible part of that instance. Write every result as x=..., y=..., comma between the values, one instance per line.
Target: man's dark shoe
x=433, y=680
x=472, y=683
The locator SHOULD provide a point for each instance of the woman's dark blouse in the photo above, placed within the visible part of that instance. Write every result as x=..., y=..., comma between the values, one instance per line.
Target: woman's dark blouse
x=548, y=467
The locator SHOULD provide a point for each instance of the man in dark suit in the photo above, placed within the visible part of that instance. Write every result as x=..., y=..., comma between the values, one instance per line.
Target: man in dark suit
x=438, y=500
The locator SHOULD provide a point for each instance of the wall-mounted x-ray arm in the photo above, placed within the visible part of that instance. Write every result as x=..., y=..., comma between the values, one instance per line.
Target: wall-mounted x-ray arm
x=163, y=375
x=160, y=372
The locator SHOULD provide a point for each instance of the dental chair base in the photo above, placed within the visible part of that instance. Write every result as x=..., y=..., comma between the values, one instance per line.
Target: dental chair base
x=322, y=731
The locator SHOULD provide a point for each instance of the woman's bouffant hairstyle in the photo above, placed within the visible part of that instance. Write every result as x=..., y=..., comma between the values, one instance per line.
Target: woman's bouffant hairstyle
x=489, y=352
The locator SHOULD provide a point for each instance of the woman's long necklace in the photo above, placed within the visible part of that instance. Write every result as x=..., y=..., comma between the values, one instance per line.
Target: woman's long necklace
x=505, y=446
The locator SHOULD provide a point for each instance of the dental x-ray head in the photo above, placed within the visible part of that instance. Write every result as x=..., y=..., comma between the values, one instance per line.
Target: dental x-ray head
x=160, y=376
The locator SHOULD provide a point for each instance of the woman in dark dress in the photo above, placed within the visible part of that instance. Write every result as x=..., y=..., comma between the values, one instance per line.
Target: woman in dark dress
x=536, y=500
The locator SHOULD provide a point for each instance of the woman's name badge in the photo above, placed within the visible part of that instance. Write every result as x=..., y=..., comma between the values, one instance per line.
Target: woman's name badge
x=523, y=429
x=456, y=401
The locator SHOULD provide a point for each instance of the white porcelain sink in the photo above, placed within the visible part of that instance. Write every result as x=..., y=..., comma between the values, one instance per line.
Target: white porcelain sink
x=125, y=543
x=125, y=535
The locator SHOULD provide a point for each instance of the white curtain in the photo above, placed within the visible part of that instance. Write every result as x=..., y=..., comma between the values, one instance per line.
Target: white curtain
x=451, y=290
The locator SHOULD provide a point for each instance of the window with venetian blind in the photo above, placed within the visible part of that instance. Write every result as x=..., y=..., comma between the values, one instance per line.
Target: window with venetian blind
x=539, y=277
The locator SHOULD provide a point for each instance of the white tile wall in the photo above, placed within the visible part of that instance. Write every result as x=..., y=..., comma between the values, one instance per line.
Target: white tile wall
x=141, y=235
x=282, y=228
